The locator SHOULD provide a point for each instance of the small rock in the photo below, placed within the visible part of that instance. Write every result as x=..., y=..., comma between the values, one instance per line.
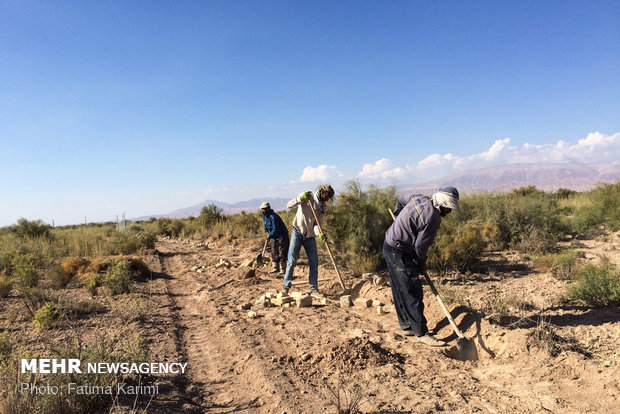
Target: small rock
x=252, y=314
x=245, y=306
x=345, y=301
x=380, y=310
x=376, y=303
x=304, y=301
x=607, y=363
x=362, y=302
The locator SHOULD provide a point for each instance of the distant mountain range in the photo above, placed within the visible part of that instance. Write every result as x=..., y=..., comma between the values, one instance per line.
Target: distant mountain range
x=547, y=177
x=251, y=206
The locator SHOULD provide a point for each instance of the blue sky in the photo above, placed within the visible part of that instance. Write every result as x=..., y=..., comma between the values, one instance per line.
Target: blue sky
x=147, y=106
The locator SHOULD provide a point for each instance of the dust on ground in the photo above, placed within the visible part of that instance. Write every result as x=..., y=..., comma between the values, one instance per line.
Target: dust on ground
x=203, y=306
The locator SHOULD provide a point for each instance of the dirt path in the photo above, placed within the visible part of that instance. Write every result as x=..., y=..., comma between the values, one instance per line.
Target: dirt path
x=284, y=359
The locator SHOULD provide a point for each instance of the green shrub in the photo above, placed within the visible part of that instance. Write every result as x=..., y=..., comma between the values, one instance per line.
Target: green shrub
x=247, y=223
x=209, y=215
x=92, y=283
x=25, y=268
x=169, y=227
x=35, y=228
x=598, y=207
x=561, y=265
x=6, y=286
x=598, y=286
x=118, y=277
x=129, y=242
x=357, y=222
x=526, y=219
x=458, y=245
x=47, y=316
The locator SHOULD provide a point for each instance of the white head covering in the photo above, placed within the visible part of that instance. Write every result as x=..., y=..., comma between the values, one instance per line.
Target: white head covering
x=447, y=197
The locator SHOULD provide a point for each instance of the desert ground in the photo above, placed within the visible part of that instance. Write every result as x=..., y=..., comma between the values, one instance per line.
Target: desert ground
x=204, y=304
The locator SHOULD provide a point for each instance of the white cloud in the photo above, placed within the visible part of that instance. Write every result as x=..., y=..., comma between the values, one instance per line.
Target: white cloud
x=595, y=148
x=381, y=169
x=320, y=173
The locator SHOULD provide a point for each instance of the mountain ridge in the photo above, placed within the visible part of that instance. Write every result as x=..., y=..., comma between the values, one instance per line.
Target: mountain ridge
x=544, y=176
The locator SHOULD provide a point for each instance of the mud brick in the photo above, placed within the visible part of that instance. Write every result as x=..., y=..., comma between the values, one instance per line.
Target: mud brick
x=380, y=310
x=282, y=300
x=304, y=301
x=362, y=302
x=376, y=303
x=345, y=301
x=296, y=295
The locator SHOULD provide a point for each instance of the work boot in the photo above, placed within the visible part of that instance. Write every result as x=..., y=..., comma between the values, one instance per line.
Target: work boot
x=430, y=340
x=282, y=267
x=284, y=291
x=408, y=332
x=275, y=269
x=314, y=292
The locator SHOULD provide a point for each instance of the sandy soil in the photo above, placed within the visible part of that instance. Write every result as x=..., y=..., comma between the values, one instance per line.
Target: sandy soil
x=287, y=359
x=293, y=360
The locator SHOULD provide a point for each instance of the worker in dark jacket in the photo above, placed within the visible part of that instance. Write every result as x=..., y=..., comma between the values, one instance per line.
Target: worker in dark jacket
x=278, y=234
x=405, y=250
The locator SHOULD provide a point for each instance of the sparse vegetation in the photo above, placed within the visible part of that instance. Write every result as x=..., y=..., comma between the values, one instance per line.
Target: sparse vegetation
x=597, y=285
x=347, y=397
x=545, y=337
x=561, y=265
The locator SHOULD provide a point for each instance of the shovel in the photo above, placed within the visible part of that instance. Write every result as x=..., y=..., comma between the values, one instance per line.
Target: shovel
x=259, y=258
x=466, y=347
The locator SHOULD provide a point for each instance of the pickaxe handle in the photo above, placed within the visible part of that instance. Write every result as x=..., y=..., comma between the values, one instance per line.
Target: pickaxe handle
x=328, y=249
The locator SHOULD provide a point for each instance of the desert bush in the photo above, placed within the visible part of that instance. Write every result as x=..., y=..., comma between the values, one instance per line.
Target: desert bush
x=544, y=337
x=598, y=286
x=357, y=222
x=347, y=397
x=129, y=242
x=209, y=215
x=169, y=227
x=73, y=265
x=118, y=277
x=6, y=286
x=47, y=316
x=526, y=219
x=58, y=278
x=497, y=310
x=598, y=207
x=248, y=223
x=35, y=228
x=92, y=281
x=458, y=245
x=561, y=265
x=25, y=268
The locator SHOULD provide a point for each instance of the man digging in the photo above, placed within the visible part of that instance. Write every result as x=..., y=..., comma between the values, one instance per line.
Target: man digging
x=278, y=234
x=305, y=229
x=405, y=250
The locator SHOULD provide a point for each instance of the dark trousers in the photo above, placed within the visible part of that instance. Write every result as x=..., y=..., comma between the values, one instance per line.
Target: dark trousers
x=279, y=249
x=406, y=289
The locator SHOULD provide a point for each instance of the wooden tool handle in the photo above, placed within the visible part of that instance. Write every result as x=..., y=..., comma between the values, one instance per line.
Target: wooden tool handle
x=328, y=249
